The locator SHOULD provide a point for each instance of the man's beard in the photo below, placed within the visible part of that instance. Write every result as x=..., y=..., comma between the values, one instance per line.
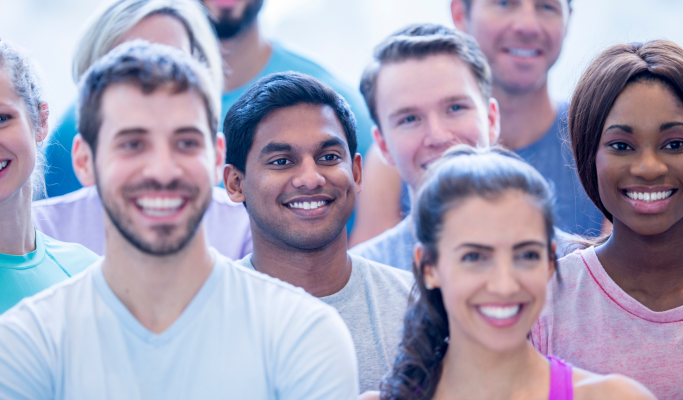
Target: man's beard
x=165, y=245
x=228, y=27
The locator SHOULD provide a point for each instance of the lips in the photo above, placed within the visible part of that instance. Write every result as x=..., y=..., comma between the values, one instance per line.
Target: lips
x=500, y=315
x=160, y=206
x=649, y=200
x=4, y=167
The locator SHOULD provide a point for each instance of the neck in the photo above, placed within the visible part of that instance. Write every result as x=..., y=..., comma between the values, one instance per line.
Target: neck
x=471, y=371
x=648, y=268
x=321, y=272
x=525, y=117
x=17, y=236
x=155, y=289
x=244, y=56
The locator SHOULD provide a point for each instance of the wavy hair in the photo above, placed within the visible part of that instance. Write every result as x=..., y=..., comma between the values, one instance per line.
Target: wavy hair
x=461, y=173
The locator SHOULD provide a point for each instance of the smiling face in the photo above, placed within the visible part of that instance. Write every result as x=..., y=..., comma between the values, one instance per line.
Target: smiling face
x=426, y=106
x=162, y=29
x=300, y=182
x=521, y=39
x=492, y=269
x=155, y=165
x=640, y=158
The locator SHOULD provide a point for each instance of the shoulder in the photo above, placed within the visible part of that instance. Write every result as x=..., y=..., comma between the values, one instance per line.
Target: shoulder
x=79, y=197
x=71, y=256
x=369, y=396
x=387, y=240
x=377, y=271
x=590, y=386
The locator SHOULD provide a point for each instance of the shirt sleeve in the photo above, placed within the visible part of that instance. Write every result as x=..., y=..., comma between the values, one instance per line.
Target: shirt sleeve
x=318, y=360
x=24, y=364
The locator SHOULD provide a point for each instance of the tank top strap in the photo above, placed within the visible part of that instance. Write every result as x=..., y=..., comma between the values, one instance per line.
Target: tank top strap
x=561, y=381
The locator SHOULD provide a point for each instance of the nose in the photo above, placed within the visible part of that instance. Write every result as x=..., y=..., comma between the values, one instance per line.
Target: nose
x=308, y=175
x=438, y=134
x=161, y=165
x=525, y=21
x=503, y=281
x=648, y=166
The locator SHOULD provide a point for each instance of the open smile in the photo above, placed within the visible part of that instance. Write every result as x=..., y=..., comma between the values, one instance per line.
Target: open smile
x=4, y=166
x=160, y=206
x=309, y=206
x=522, y=52
x=649, y=200
x=501, y=315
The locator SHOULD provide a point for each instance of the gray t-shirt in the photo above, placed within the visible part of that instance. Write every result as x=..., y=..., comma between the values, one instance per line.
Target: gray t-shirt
x=394, y=247
x=372, y=304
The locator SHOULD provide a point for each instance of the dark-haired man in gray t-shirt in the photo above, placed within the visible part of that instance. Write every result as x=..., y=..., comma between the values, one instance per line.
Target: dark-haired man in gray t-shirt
x=292, y=161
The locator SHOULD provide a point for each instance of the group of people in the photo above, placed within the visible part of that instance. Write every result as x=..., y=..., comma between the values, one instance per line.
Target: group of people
x=222, y=218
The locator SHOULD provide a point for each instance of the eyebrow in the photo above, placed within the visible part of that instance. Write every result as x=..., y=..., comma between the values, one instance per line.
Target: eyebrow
x=527, y=243
x=624, y=128
x=449, y=99
x=132, y=131
x=274, y=147
x=335, y=141
x=476, y=246
x=668, y=125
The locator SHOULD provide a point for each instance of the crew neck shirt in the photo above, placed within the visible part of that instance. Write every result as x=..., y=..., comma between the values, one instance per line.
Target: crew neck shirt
x=51, y=262
x=372, y=304
x=243, y=336
x=589, y=321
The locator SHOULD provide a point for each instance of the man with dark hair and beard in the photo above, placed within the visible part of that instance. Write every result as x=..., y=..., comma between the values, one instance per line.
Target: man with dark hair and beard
x=163, y=315
x=292, y=160
x=250, y=56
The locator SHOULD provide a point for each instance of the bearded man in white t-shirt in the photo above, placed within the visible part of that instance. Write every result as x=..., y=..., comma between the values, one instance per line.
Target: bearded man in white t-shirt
x=162, y=315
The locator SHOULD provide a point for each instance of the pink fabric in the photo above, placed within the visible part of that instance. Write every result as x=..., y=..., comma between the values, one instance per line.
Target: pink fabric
x=561, y=382
x=591, y=322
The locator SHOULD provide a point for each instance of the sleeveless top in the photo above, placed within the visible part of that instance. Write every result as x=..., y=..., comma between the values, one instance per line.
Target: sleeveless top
x=561, y=382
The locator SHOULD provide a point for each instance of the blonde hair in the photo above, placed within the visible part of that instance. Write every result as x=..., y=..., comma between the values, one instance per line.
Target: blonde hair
x=115, y=18
x=26, y=83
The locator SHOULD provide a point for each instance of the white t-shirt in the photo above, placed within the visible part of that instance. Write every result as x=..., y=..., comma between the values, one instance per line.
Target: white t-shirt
x=243, y=336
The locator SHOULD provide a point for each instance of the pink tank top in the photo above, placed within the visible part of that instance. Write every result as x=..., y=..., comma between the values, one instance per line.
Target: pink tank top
x=561, y=382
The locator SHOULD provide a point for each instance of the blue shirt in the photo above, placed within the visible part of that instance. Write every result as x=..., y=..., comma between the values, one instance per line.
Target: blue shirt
x=553, y=158
x=52, y=261
x=61, y=179
x=244, y=335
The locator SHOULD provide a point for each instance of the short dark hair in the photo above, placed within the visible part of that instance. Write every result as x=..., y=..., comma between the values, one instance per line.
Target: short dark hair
x=417, y=42
x=468, y=4
x=148, y=66
x=275, y=91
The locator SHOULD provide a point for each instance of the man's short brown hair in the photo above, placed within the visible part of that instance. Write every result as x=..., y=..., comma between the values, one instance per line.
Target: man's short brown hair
x=417, y=42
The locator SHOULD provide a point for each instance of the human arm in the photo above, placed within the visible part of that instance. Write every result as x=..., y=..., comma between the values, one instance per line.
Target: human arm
x=373, y=395
x=606, y=387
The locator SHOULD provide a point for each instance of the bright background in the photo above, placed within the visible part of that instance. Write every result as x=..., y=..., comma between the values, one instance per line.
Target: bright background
x=340, y=34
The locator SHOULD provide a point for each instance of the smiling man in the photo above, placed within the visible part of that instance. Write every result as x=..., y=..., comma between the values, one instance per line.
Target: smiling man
x=428, y=89
x=163, y=315
x=522, y=40
x=292, y=160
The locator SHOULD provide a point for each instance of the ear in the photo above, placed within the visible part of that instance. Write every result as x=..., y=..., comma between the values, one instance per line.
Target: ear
x=233, y=180
x=220, y=156
x=382, y=146
x=43, y=129
x=431, y=278
x=551, y=270
x=494, y=121
x=358, y=172
x=83, y=161
x=459, y=14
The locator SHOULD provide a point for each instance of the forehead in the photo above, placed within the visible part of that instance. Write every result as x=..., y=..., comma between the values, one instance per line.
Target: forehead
x=8, y=96
x=303, y=126
x=424, y=82
x=159, y=28
x=125, y=106
x=645, y=103
x=510, y=218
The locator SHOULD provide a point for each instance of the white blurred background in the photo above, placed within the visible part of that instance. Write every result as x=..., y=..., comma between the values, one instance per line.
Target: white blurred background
x=340, y=34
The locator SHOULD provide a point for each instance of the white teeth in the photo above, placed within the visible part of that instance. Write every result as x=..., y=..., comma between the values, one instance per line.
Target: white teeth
x=649, y=197
x=3, y=164
x=523, y=52
x=159, y=206
x=307, y=205
x=500, y=312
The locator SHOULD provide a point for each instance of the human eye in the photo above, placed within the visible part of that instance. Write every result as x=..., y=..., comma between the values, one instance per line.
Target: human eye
x=530, y=255
x=407, y=120
x=620, y=146
x=4, y=118
x=188, y=144
x=455, y=107
x=472, y=257
x=548, y=7
x=503, y=3
x=674, y=145
x=131, y=145
x=281, y=162
x=329, y=158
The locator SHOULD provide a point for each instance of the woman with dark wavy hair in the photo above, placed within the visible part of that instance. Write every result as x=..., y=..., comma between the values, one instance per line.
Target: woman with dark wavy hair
x=621, y=306
x=485, y=254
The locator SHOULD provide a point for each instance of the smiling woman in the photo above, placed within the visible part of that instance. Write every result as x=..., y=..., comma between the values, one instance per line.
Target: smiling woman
x=486, y=251
x=626, y=297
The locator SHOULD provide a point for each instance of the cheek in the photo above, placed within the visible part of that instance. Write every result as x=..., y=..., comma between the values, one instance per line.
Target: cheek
x=607, y=170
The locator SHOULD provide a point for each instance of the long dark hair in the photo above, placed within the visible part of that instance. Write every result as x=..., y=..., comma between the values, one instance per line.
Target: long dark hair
x=462, y=172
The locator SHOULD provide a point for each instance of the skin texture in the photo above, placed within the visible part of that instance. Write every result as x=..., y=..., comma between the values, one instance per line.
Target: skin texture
x=162, y=29
x=311, y=162
x=426, y=106
x=156, y=145
x=18, y=146
x=644, y=254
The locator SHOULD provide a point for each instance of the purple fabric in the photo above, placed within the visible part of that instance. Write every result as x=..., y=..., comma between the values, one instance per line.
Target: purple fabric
x=561, y=382
x=78, y=217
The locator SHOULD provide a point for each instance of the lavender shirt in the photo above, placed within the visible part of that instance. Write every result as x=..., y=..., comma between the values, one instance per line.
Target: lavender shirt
x=78, y=217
